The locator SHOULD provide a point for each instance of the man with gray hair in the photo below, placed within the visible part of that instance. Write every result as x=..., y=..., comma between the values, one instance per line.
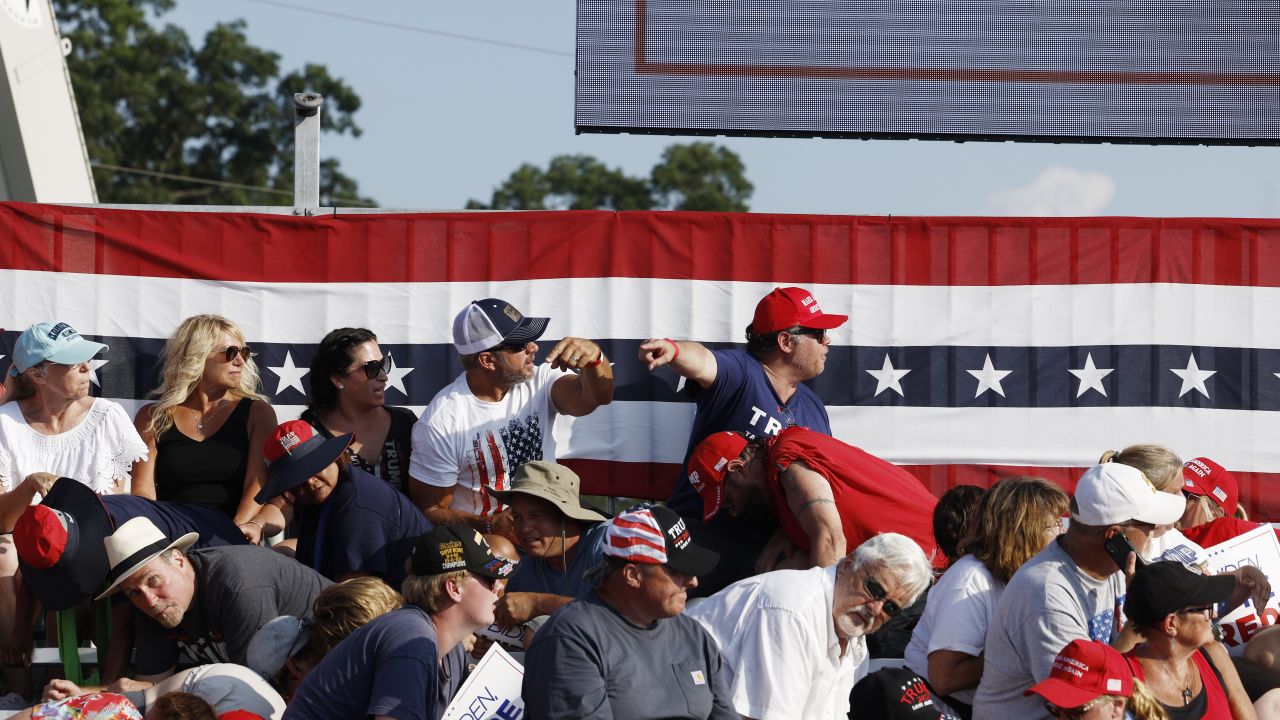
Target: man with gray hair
x=793, y=641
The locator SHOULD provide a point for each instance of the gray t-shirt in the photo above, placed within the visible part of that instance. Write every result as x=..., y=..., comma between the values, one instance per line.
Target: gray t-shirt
x=239, y=588
x=589, y=661
x=1048, y=603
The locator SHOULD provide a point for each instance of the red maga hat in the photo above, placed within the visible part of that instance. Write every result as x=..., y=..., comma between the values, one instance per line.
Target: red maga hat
x=708, y=466
x=1084, y=670
x=792, y=307
x=1203, y=476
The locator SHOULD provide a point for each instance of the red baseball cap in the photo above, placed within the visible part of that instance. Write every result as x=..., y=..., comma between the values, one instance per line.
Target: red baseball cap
x=707, y=468
x=1084, y=670
x=1203, y=476
x=792, y=307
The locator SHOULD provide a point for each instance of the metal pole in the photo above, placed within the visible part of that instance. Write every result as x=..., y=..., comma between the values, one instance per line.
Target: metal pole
x=306, y=152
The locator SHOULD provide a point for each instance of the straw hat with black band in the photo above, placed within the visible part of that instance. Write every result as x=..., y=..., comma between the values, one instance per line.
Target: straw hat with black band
x=59, y=544
x=133, y=545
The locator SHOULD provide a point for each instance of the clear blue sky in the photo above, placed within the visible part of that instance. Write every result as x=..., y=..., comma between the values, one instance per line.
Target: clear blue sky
x=447, y=119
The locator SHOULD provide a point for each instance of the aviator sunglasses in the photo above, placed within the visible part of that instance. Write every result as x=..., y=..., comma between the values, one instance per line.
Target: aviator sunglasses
x=231, y=351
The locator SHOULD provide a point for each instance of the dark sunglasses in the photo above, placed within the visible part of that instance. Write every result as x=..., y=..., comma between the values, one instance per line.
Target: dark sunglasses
x=511, y=347
x=485, y=580
x=231, y=351
x=815, y=333
x=877, y=592
x=374, y=368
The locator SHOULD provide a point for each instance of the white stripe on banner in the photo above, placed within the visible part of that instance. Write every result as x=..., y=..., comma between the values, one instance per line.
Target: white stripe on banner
x=1045, y=437
x=408, y=313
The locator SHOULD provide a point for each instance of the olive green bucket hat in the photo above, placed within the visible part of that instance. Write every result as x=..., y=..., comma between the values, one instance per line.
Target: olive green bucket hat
x=554, y=483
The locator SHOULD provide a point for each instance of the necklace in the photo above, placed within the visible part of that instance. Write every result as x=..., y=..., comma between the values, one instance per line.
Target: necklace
x=206, y=417
x=1186, y=681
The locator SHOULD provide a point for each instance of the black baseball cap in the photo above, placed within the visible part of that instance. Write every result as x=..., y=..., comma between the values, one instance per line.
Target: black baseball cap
x=1163, y=587
x=457, y=547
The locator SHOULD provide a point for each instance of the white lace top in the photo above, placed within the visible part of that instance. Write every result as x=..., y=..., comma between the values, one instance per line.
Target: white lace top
x=98, y=452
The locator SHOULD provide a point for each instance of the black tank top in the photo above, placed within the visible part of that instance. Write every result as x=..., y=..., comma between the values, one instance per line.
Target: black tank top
x=205, y=473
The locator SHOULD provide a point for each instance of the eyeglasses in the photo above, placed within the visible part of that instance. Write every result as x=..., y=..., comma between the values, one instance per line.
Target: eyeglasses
x=1076, y=713
x=231, y=351
x=1058, y=525
x=511, y=347
x=878, y=593
x=1206, y=610
x=374, y=368
x=815, y=333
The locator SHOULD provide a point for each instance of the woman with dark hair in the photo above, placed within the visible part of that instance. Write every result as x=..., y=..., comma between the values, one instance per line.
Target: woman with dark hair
x=1015, y=520
x=350, y=523
x=1172, y=608
x=348, y=396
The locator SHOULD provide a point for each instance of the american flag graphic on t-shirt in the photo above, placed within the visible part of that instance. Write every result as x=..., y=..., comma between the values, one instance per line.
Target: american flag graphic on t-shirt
x=496, y=457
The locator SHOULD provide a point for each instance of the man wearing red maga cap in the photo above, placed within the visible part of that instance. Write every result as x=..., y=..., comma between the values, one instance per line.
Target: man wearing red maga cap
x=1089, y=680
x=757, y=390
x=828, y=495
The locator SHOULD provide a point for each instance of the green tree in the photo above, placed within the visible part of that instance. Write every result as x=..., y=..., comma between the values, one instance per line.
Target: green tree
x=701, y=176
x=696, y=176
x=150, y=100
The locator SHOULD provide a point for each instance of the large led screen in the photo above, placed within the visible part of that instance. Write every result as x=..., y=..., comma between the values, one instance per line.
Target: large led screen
x=1188, y=71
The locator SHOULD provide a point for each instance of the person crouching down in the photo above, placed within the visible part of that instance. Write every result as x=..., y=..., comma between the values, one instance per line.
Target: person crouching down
x=408, y=663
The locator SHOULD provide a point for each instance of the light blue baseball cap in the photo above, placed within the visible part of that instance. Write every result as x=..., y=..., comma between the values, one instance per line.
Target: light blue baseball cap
x=53, y=341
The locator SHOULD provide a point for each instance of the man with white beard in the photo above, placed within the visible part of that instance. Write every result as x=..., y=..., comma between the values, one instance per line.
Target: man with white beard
x=794, y=640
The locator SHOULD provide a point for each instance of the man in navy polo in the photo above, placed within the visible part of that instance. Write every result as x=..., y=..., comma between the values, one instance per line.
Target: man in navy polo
x=758, y=391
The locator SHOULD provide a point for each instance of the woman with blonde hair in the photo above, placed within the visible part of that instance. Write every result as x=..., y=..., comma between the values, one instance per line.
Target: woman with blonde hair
x=1163, y=469
x=205, y=430
x=1016, y=519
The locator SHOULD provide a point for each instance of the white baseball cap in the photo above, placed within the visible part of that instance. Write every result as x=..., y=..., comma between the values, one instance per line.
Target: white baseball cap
x=1112, y=493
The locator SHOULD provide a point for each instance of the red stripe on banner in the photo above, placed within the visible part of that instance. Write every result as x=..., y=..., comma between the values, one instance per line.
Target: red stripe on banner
x=654, y=481
x=486, y=247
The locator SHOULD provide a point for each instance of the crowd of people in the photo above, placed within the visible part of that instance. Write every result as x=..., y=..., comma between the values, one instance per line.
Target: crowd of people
x=356, y=561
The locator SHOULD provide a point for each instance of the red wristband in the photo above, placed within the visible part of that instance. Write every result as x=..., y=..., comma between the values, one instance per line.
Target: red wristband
x=597, y=361
x=675, y=346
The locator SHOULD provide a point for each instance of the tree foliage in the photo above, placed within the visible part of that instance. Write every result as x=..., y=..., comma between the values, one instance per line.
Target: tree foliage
x=696, y=176
x=151, y=100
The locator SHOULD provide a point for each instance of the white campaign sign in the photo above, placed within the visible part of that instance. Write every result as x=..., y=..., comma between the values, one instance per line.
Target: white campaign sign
x=492, y=691
x=1259, y=548
x=507, y=636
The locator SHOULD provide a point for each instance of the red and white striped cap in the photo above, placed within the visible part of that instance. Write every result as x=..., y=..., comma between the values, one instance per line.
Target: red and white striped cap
x=655, y=535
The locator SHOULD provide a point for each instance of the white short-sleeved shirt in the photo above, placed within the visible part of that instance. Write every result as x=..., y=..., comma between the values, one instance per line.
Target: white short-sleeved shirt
x=464, y=442
x=98, y=452
x=956, y=617
x=780, y=648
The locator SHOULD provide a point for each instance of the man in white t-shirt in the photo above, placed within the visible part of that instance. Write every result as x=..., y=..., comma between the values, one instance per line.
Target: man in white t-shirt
x=497, y=415
x=793, y=641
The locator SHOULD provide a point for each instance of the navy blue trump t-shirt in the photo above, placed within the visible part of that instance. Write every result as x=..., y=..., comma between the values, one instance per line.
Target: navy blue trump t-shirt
x=742, y=398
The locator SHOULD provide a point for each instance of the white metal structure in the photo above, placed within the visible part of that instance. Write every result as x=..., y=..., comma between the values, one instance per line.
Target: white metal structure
x=42, y=151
